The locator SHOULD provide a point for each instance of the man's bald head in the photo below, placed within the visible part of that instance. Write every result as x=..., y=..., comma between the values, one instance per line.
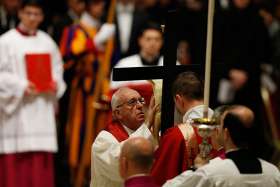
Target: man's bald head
x=238, y=121
x=245, y=114
x=136, y=156
x=140, y=151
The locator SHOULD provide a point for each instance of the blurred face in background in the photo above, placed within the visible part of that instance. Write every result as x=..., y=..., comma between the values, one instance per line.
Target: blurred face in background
x=164, y=2
x=149, y=3
x=241, y=3
x=11, y=6
x=195, y=5
x=78, y=6
x=151, y=42
x=31, y=17
x=183, y=53
x=96, y=10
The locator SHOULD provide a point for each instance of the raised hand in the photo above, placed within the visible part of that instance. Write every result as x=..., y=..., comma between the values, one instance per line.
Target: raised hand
x=30, y=89
x=106, y=31
x=152, y=110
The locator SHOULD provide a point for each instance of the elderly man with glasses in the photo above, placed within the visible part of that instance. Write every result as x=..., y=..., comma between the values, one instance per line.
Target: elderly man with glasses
x=128, y=121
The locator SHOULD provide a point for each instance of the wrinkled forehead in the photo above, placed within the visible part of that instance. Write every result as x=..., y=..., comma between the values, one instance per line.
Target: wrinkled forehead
x=125, y=93
x=129, y=94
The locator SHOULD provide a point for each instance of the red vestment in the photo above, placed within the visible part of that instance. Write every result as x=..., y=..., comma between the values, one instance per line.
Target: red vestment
x=30, y=169
x=174, y=155
x=117, y=130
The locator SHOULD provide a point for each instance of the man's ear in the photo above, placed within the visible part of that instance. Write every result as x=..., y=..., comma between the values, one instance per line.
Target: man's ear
x=179, y=100
x=20, y=13
x=140, y=41
x=123, y=166
x=124, y=163
x=116, y=113
x=226, y=134
x=215, y=133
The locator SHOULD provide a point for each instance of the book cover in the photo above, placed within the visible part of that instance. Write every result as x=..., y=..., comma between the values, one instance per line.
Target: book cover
x=39, y=71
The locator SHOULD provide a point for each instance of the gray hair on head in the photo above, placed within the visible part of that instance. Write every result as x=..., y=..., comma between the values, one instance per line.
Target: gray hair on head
x=118, y=96
x=114, y=101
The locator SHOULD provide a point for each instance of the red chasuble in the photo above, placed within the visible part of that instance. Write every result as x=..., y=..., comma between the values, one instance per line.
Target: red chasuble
x=174, y=155
x=118, y=131
x=170, y=158
x=38, y=68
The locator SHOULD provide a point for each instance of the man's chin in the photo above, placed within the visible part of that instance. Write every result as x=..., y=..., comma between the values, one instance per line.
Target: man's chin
x=141, y=120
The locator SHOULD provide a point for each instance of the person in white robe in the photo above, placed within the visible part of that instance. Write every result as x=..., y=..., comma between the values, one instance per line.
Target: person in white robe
x=27, y=117
x=127, y=108
x=240, y=168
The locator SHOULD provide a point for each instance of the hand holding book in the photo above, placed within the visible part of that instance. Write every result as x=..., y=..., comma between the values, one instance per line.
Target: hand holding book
x=39, y=71
x=30, y=89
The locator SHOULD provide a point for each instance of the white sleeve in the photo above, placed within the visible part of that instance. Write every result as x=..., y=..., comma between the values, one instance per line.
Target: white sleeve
x=105, y=156
x=106, y=151
x=58, y=72
x=189, y=178
x=12, y=87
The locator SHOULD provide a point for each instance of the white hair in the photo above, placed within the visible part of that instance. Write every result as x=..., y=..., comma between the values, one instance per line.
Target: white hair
x=115, y=101
x=116, y=98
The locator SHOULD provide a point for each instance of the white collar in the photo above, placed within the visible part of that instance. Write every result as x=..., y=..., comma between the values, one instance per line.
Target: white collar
x=195, y=112
x=128, y=130
x=89, y=21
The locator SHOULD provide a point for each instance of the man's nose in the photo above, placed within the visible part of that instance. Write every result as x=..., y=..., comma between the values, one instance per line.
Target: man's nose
x=139, y=104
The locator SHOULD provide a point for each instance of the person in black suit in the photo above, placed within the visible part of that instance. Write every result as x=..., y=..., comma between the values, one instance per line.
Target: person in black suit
x=8, y=15
x=241, y=44
x=129, y=21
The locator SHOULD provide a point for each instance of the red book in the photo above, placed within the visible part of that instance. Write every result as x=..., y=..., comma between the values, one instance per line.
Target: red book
x=39, y=71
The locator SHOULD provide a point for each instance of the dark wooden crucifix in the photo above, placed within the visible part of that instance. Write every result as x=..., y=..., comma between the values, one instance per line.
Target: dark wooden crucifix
x=167, y=72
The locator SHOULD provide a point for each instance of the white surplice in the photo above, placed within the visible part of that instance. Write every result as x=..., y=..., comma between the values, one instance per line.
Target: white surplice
x=27, y=123
x=224, y=173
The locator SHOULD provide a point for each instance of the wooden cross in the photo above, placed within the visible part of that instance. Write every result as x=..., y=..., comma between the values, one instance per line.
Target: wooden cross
x=167, y=72
x=170, y=70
